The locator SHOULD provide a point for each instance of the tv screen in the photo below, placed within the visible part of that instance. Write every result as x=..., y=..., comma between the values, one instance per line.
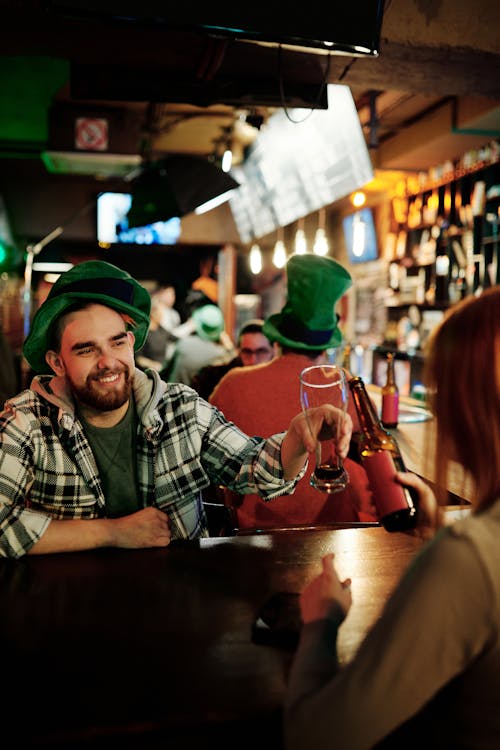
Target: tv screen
x=360, y=236
x=112, y=224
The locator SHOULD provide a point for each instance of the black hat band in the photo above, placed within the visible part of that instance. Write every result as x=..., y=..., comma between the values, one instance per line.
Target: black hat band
x=293, y=328
x=118, y=288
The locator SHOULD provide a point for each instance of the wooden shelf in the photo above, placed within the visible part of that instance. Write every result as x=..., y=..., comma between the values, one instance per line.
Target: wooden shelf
x=454, y=176
x=420, y=305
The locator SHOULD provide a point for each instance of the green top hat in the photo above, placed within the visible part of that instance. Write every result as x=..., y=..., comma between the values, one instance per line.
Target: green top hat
x=92, y=281
x=308, y=320
x=209, y=322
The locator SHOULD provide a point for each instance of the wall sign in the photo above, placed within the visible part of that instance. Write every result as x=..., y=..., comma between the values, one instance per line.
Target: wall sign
x=91, y=134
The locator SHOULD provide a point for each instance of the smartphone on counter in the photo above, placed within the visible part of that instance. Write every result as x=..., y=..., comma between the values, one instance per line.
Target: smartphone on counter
x=278, y=622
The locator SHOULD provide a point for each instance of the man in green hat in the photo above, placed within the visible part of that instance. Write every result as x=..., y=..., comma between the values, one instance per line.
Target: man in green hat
x=97, y=453
x=305, y=329
x=208, y=344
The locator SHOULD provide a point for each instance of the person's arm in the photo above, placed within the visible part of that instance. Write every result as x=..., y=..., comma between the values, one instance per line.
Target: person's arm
x=146, y=528
x=183, y=329
x=302, y=436
x=436, y=623
x=227, y=342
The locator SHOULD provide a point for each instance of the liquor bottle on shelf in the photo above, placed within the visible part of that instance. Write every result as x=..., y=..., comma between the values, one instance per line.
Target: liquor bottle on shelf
x=442, y=269
x=381, y=457
x=346, y=357
x=390, y=396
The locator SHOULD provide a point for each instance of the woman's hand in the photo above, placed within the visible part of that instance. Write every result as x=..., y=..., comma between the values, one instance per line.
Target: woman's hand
x=325, y=593
x=430, y=515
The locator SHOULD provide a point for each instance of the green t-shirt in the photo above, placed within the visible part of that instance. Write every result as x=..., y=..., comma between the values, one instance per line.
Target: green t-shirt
x=114, y=449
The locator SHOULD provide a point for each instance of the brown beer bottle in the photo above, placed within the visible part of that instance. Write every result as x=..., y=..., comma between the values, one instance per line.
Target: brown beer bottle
x=395, y=504
x=390, y=396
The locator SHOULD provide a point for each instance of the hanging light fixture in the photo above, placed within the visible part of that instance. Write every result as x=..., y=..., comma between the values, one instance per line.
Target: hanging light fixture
x=358, y=235
x=223, y=153
x=320, y=246
x=227, y=159
x=255, y=259
x=300, y=239
x=279, y=254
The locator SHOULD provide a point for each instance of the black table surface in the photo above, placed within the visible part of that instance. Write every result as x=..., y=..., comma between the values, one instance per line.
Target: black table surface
x=153, y=648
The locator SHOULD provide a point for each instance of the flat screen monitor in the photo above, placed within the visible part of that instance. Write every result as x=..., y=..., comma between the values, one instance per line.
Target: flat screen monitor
x=112, y=224
x=360, y=236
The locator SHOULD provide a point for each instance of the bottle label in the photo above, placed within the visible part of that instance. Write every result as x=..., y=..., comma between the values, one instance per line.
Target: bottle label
x=390, y=408
x=388, y=494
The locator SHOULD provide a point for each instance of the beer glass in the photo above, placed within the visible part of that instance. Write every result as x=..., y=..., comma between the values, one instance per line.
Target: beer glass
x=326, y=384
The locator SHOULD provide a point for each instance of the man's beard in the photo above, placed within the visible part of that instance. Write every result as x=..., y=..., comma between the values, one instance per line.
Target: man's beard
x=96, y=399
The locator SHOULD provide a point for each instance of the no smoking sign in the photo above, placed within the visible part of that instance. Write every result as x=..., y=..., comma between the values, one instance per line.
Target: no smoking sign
x=91, y=134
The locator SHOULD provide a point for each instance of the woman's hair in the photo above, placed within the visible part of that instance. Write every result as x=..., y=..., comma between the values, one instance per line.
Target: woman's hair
x=462, y=373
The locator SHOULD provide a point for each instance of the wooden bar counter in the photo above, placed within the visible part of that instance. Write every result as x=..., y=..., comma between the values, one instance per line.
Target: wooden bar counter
x=153, y=648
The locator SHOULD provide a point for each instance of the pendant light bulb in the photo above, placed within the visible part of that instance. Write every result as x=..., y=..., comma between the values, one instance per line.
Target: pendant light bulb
x=227, y=160
x=300, y=242
x=320, y=246
x=255, y=259
x=279, y=255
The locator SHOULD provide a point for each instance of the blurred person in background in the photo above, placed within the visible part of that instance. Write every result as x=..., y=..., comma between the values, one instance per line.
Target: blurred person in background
x=166, y=296
x=9, y=380
x=170, y=320
x=428, y=672
x=209, y=344
x=261, y=399
x=253, y=349
x=154, y=353
x=207, y=281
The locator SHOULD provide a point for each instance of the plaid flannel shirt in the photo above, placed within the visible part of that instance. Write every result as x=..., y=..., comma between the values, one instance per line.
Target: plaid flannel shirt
x=47, y=469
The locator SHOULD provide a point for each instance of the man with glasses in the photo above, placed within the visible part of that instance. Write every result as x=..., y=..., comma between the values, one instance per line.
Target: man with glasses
x=254, y=348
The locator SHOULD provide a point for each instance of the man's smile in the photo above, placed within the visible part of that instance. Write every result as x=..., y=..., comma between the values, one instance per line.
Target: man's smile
x=109, y=378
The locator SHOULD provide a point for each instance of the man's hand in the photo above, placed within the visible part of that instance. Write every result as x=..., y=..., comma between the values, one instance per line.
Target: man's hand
x=303, y=435
x=145, y=528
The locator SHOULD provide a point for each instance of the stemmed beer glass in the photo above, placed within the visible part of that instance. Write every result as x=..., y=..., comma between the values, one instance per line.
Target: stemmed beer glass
x=326, y=384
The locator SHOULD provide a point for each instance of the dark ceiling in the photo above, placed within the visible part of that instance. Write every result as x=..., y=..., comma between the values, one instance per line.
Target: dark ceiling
x=431, y=94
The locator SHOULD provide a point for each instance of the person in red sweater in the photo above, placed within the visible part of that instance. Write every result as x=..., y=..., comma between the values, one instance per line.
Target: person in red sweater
x=261, y=398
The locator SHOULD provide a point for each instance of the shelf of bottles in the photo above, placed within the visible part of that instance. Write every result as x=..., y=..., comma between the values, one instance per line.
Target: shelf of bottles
x=443, y=244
